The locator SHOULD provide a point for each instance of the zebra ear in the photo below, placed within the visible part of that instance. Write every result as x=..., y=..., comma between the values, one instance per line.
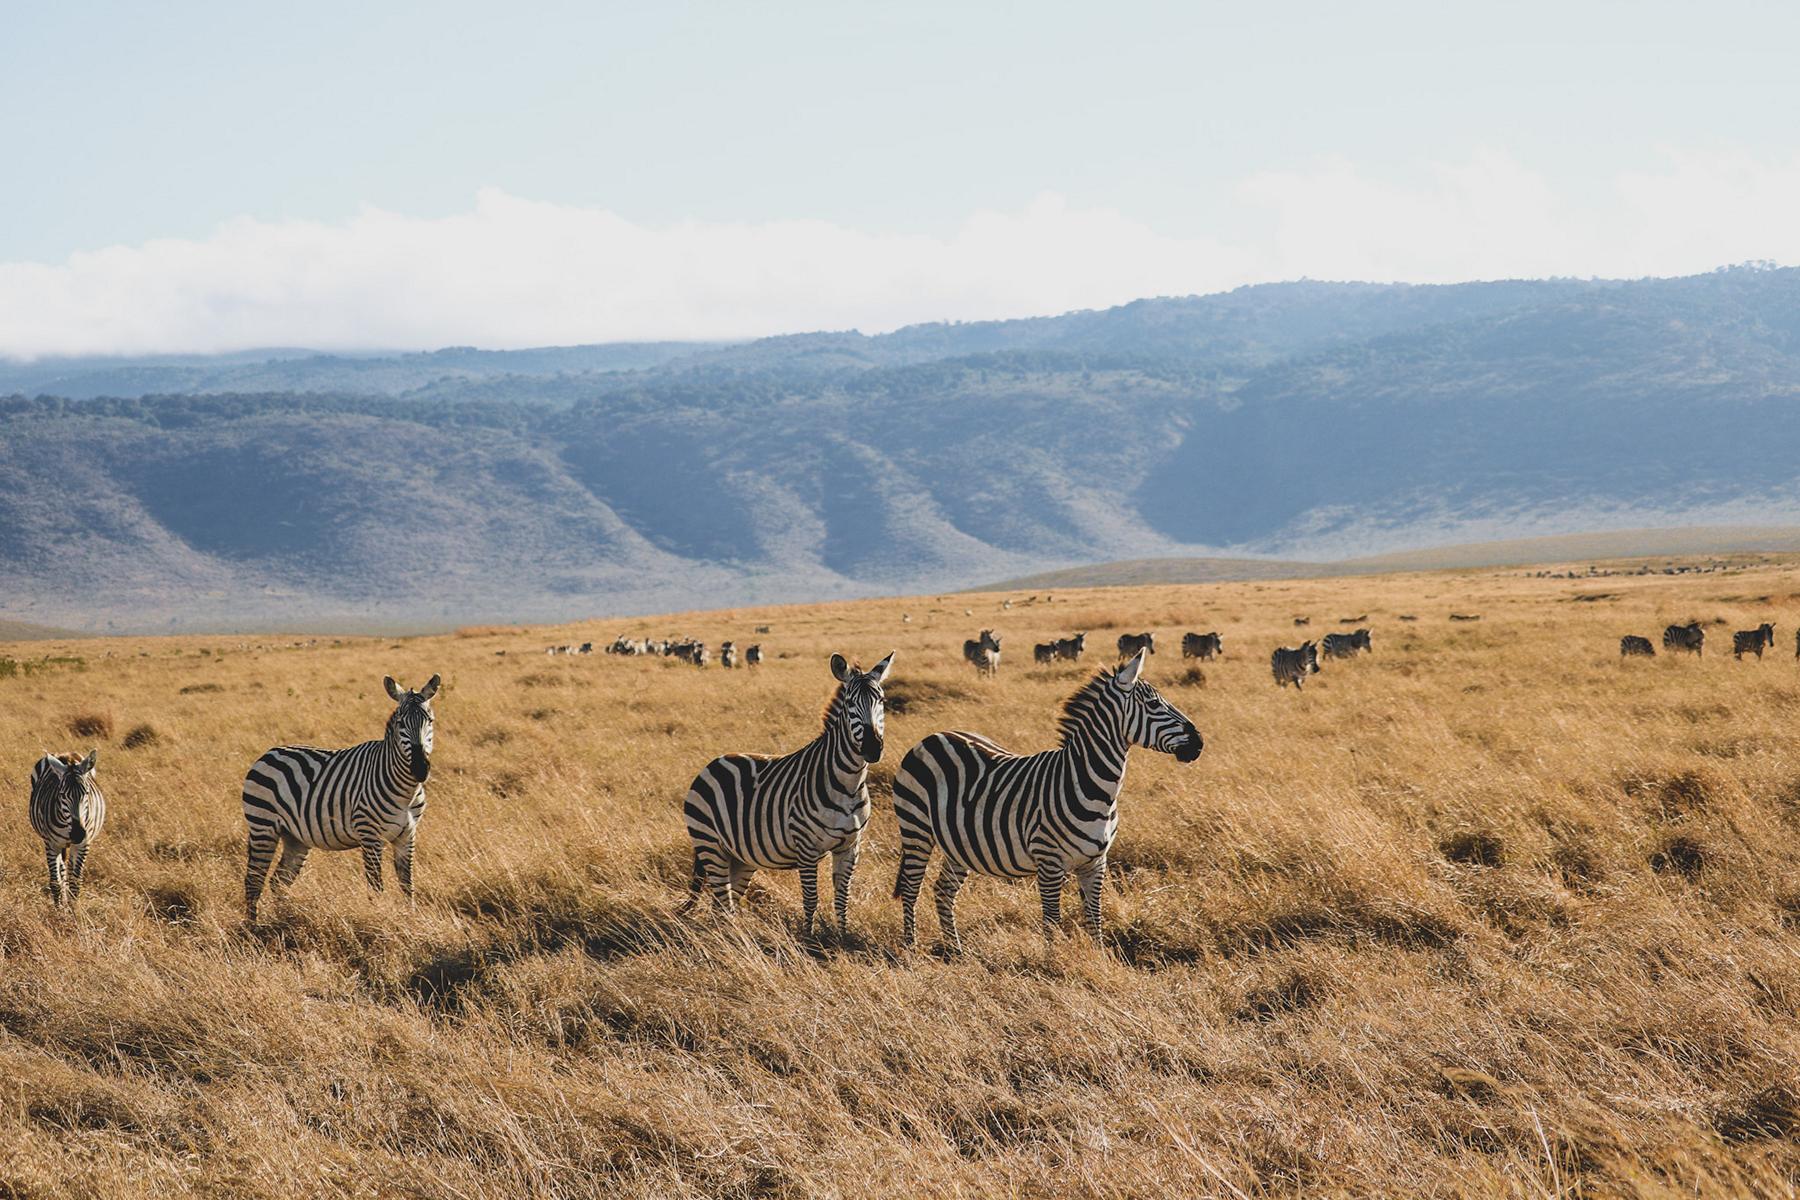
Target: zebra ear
x=86, y=766
x=840, y=670
x=430, y=689
x=393, y=689
x=879, y=671
x=1127, y=675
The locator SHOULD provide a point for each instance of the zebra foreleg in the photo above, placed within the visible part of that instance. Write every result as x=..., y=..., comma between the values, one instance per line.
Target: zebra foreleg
x=372, y=864
x=403, y=860
x=843, y=869
x=1050, y=878
x=261, y=850
x=77, y=856
x=59, y=893
x=809, y=895
x=1092, y=881
x=949, y=882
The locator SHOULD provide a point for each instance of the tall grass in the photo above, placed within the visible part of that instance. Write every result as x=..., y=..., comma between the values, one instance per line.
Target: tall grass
x=1489, y=912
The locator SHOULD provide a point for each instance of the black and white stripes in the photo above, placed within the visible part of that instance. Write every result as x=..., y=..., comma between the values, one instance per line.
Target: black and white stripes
x=750, y=811
x=366, y=797
x=1049, y=815
x=67, y=810
x=1293, y=665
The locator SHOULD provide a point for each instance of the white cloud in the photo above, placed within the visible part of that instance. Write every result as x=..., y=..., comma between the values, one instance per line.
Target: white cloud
x=516, y=272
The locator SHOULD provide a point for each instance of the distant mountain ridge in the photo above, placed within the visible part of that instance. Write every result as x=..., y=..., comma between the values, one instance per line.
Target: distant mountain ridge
x=1306, y=420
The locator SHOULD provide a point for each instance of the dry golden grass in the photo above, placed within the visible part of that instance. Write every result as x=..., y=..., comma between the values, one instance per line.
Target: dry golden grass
x=1489, y=913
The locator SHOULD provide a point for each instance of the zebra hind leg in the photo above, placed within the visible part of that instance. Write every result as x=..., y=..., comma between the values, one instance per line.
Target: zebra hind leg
x=696, y=885
x=260, y=851
x=914, y=858
x=293, y=857
x=949, y=882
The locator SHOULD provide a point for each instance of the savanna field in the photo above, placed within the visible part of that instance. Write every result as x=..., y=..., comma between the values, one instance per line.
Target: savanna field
x=1489, y=912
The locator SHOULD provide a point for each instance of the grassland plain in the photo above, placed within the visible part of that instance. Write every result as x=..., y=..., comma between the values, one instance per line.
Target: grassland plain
x=1490, y=912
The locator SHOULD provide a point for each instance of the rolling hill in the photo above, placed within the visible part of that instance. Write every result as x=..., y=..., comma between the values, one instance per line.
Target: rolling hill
x=1308, y=421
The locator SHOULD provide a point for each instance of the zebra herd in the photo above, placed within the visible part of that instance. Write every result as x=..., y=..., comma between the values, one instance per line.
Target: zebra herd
x=1691, y=639
x=1288, y=664
x=688, y=650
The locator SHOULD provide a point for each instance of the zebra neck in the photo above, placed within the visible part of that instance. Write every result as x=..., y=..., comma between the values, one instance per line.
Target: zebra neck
x=1094, y=748
x=843, y=760
x=396, y=771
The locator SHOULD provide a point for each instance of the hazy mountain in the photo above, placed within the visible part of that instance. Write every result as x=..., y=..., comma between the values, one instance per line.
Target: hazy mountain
x=1307, y=420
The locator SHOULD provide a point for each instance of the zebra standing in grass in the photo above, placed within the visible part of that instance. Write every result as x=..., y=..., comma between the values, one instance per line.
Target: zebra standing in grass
x=984, y=652
x=1044, y=653
x=365, y=797
x=1753, y=641
x=746, y=811
x=1345, y=645
x=1631, y=644
x=1688, y=637
x=1131, y=643
x=753, y=655
x=1070, y=648
x=1052, y=814
x=728, y=655
x=1202, y=646
x=1293, y=666
x=67, y=810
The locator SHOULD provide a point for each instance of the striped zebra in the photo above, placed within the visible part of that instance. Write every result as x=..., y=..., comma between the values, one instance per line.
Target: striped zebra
x=366, y=797
x=67, y=810
x=728, y=655
x=1631, y=644
x=1052, y=814
x=984, y=652
x=1044, y=653
x=746, y=811
x=1345, y=645
x=1689, y=637
x=1202, y=645
x=1294, y=665
x=1071, y=648
x=1753, y=641
x=1131, y=643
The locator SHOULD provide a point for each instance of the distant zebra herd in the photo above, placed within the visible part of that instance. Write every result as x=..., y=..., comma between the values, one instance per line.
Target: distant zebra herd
x=689, y=650
x=1691, y=639
x=1288, y=665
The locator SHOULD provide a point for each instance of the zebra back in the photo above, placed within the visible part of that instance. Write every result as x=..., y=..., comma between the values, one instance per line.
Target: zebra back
x=1294, y=664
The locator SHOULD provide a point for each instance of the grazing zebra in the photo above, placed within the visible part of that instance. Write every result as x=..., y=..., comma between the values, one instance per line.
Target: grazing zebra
x=1052, y=814
x=1071, y=648
x=1752, y=641
x=1044, y=653
x=1293, y=666
x=753, y=655
x=1131, y=643
x=1345, y=645
x=1202, y=645
x=1299, y=621
x=366, y=797
x=746, y=811
x=67, y=810
x=984, y=652
x=1689, y=637
x=727, y=654
x=1632, y=644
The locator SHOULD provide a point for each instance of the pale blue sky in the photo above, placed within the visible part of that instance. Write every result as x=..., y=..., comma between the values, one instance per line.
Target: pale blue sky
x=124, y=123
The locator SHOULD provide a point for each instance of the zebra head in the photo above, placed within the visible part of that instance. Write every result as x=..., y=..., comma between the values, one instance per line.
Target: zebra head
x=1149, y=720
x=409, y=729
x=73, y=783
x=859, y=707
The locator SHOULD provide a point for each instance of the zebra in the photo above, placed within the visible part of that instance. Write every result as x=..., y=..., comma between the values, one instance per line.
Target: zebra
x=1044, y=653
x=1752, y=641
x=984, y=652
x=1131, y=643
x=1688, y=637
x=1202, y=645
x=1293, y=666
x=753, y=655
x=746, y=811
x=67, y=810
x=1631, y=644
x=1051, y=814
x=1071, y=648
x=728, y=654
x=1345, y=645
x=365, y=797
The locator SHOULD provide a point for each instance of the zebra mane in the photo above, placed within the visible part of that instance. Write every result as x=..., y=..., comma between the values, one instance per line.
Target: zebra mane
x=837, y=694
x=1068, y=720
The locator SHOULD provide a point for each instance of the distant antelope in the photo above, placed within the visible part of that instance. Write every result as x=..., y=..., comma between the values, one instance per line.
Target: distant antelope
x=984, y=652
x=1345, y=645
x=1131, y=643
x=1294, y=665
x=1689, y=637
x=1753, y=641
x=67, y=809
x=1631, y=644
x=753, y=655
x=1202, y=645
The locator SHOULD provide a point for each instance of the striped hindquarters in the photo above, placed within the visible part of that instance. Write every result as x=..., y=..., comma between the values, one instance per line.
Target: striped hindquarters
x=971, y=798
x=308, y=795
x=1631, y=644
x=1293, y=664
